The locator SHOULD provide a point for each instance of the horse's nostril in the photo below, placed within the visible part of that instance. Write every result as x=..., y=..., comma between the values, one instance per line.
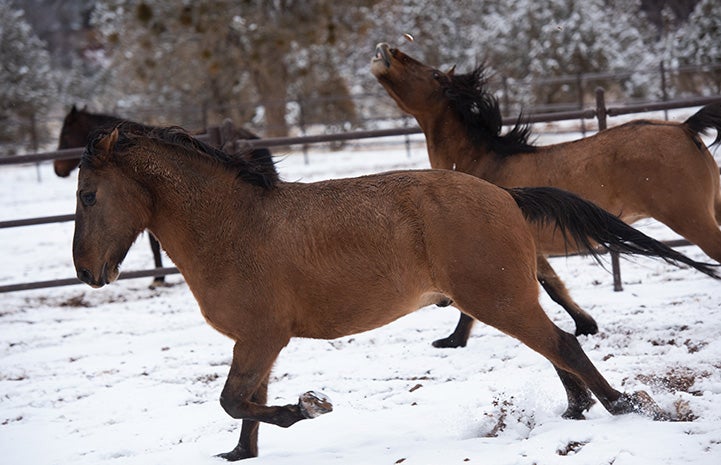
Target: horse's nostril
x=85, y=275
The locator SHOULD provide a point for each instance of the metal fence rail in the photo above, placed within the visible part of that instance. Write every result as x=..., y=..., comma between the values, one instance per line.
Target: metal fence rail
x=213, y=136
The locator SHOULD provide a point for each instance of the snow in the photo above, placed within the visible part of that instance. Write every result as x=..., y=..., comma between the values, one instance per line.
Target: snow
x=130, y=375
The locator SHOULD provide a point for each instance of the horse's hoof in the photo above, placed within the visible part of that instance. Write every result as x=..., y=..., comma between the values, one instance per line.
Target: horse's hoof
x=449, y=342
x=638, y=402
x=587, y=328
x=314, y=404
x=575, y=412
x=239, y=453
x=157, y=282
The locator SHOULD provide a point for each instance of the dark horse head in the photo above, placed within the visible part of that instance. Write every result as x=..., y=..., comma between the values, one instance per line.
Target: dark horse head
x=77, y=127
x=426, y=92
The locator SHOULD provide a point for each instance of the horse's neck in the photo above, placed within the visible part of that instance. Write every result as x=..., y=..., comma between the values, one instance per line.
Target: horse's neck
x=449, y=148
x=188, y=203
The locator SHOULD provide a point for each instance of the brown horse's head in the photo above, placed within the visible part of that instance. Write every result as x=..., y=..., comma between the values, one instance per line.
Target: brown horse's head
x=112, y=210
x=434, y=98
x=416, y=88
x=77, y=127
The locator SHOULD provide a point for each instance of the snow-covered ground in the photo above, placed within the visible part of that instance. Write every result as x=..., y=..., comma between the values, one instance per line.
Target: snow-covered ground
x=130, y=375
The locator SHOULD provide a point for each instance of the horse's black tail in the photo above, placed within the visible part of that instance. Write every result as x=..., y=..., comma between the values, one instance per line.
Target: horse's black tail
x=590, y=226
x=707, y=117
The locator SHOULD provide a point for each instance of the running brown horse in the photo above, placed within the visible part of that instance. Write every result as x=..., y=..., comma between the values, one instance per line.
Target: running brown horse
x=269, y=260
x=79, y=124
x=638, y=170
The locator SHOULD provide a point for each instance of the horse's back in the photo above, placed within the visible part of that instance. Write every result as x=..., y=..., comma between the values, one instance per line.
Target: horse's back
x=630, y=170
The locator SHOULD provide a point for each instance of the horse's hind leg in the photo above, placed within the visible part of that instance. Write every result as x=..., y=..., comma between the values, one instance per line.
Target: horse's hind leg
x=699, y=227
x=695, y=212
x=579, y=397
x=528, y=323
x=554, y=287
x=574, y=367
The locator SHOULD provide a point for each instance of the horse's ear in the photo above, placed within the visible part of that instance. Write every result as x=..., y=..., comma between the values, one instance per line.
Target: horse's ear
x=105, y=144
x=451, y=71
x=73, y=110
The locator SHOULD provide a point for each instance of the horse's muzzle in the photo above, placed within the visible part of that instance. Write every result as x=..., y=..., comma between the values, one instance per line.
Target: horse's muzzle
x=382, y=53
x=87, y=277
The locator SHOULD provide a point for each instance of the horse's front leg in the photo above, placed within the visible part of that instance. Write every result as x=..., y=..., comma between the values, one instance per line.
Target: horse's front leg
x=245, y=393
x=157, y=258
x=248, y=442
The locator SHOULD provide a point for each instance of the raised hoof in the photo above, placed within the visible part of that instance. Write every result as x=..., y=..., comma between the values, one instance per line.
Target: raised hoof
x=314, y=404
x=449, y=342
x=239, y=453
x=587, y=328
x=638, y=402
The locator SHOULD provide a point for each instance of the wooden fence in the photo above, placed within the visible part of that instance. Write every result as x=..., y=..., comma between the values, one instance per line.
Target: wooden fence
x=213, y=136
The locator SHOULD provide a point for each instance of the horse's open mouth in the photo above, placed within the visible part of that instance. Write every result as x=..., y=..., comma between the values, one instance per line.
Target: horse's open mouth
x=382, y=54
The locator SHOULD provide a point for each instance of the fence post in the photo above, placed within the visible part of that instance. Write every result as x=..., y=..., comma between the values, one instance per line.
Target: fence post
x=406, y=123
x=214, y=137
x=506, y=98
x=664, y=93
x=579, y=85
x=601, y=117
x=34, y=142
x=301, y=124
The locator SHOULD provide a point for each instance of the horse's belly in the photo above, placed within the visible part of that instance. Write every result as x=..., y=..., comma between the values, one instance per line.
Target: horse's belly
x=343, y=319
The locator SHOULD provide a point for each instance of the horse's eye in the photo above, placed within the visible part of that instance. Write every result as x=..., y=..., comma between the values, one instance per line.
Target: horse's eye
x=436, y=75
x=88, y=198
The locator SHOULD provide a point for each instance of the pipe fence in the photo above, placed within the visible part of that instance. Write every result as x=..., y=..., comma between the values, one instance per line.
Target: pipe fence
x=214, y=137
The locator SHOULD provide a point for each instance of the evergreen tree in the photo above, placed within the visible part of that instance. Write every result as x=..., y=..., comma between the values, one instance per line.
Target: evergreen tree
x=698, y=42
x=563, y=38
x=26, y=84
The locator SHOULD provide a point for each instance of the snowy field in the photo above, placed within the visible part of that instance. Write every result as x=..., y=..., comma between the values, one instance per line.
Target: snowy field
x=130, y=375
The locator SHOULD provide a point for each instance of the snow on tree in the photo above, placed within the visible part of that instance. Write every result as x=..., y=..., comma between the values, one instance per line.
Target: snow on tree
x=698, y=42
x=222, y=53
x=563, y=38
x=26, y=84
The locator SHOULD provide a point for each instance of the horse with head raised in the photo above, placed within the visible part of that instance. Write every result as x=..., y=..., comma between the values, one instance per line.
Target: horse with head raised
x=637, y=170
x=269, y=260
x=78, y=125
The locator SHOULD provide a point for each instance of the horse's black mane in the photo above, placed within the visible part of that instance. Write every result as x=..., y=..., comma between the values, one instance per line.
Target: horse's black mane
x=481, y=115
x=254, y=166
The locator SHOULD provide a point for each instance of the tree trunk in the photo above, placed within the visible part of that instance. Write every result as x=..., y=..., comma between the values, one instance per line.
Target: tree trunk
x=271, y=81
